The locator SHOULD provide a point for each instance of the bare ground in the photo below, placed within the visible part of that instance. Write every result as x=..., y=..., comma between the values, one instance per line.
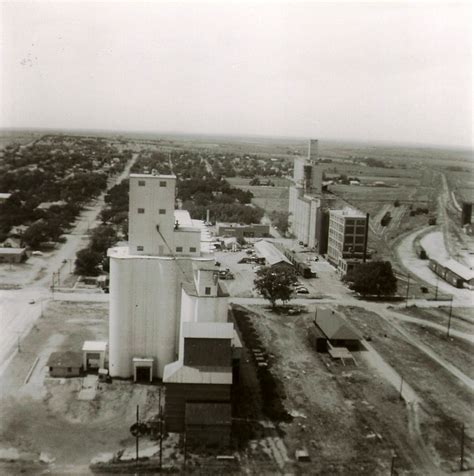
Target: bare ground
x=349, y=418
x=446, y=403
x=44, y=414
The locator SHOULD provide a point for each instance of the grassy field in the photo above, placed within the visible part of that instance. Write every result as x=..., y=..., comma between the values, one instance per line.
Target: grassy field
x=269, y=198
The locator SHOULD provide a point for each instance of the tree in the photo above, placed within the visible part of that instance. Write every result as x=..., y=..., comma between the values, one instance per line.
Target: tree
x=374, y=278
x=87, y=262
x=280, y=219
x=274, y=284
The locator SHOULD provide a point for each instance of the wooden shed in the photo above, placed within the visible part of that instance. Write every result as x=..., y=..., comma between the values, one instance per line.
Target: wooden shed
x=65, y=364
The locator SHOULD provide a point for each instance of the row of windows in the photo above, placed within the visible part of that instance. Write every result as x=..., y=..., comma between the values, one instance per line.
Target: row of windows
x=161, y=211
x=142, y=183
x=179, y=249
x=354, y=239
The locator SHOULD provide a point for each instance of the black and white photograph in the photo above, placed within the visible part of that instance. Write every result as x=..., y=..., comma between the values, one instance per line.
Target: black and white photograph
x=236, y=237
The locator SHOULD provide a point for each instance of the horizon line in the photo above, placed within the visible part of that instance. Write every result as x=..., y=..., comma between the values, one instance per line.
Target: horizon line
x=244, y=136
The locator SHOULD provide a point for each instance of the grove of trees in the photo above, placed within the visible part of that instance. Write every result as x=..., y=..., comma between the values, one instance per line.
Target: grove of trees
x=374, y=278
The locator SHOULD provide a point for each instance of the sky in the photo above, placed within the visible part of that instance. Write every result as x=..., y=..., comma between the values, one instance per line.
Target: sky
x=384, y=71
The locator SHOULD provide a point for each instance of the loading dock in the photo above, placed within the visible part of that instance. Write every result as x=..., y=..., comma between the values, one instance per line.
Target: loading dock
x=142, y=369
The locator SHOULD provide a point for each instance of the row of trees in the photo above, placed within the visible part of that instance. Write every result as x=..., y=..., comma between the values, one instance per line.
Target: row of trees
x=91, y=261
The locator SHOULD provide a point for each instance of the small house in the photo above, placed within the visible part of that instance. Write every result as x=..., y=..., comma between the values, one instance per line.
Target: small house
x=333, y=330
x=65, y=364
x=12, y=255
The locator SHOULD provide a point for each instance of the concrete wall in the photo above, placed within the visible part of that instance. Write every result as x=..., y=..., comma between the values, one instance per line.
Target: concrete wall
x=145, y=297
x=142, y=227
x=187, y=240
x=303, y=216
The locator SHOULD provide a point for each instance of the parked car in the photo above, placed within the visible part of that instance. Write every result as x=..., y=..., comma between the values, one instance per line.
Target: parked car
x=302, y=290
x=37, y=253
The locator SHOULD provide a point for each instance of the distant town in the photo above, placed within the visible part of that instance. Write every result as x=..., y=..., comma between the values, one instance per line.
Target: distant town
x=215, y=305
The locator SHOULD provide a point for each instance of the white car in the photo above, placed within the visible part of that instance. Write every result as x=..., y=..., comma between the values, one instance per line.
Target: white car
x=37, y=253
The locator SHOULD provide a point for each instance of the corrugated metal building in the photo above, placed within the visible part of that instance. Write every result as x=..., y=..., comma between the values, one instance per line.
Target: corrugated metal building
x=273, y=256
x=202, y=375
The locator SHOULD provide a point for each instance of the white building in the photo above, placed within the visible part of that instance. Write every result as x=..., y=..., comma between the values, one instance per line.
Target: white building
x=165, y=276
x=305, y=197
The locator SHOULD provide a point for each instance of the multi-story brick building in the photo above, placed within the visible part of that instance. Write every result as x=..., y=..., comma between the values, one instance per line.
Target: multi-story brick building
x=347, y=238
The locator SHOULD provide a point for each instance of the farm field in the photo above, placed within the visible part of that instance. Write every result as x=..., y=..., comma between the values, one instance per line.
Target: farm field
x=462, y=184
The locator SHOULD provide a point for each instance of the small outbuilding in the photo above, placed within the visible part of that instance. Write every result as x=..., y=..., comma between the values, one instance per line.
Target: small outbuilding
x=12, y=255
x=93, y=354
x=65, y=364
x=331, y=330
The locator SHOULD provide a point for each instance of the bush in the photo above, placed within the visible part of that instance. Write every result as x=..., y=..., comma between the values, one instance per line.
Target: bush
x=87, y=262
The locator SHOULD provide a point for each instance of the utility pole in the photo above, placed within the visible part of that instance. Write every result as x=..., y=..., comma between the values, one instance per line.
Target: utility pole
x=136, y=437
x=401, y=388
x=161, y=431
x=462, y=449
x=436, y=291
x=408, y=289
x=450, y=315
x=392, y=467
x=185, y=449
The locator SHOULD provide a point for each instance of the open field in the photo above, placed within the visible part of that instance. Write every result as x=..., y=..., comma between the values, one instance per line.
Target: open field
x=462, y=184
x=269, y=198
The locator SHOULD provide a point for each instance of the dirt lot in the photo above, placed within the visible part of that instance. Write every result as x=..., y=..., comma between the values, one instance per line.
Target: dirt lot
x=446, y=403
x=349, y=418
x=44, y=414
